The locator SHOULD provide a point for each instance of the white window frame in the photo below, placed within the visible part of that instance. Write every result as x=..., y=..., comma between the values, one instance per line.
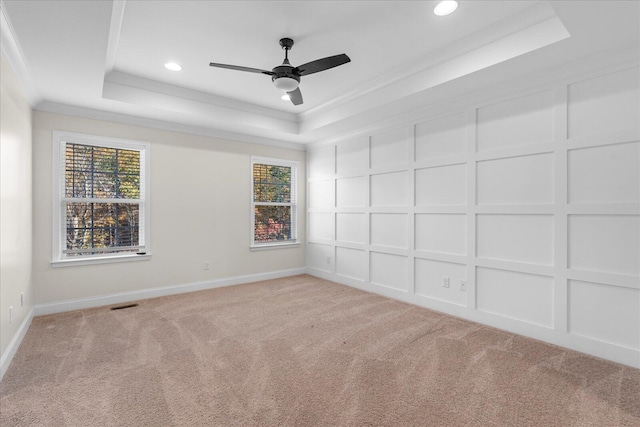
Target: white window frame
x=294, y=241
x=60, y=139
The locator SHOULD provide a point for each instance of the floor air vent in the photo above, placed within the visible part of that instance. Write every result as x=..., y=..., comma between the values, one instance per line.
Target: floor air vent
x=120, y=307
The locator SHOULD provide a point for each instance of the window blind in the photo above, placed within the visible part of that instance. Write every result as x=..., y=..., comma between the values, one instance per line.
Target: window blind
x=102, y=199
x=274, y=202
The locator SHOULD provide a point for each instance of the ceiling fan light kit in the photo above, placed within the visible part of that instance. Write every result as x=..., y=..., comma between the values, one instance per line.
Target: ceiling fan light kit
x=286, y=77
x=286, y=84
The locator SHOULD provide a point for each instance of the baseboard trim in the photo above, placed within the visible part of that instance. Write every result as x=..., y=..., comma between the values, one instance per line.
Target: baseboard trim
x=604, y=350
x=82, y=303
x=11, y=350
x=78, y=304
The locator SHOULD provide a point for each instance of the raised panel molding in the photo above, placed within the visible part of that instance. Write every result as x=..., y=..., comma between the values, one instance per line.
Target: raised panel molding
x=389, y=229
x=320, y=257
x=391, y=147
x=350, y=192
x=442, y=137
x=444, y=233
x=605, y=313
x=526, y=198
x=530, y=180
x=521, y=121
x=428, y=280
x=322, y=194
x=389, y=270
x=323, y=162
x=350, y=227
x=352, y=157
x=605, y=243
x=520, y=238
x=604, y=104
x=321, y=226
x=442, y=185
x=389, y=189
x=350, y=263
x=605, y=174
x=521, y=296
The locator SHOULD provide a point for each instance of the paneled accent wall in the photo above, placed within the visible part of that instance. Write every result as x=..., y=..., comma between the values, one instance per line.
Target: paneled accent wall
x=522, y=213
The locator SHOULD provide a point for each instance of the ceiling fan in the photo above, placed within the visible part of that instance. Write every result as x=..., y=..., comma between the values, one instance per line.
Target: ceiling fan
x=287, y=77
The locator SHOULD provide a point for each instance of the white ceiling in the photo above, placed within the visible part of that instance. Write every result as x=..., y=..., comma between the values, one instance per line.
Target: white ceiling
x=105, y=58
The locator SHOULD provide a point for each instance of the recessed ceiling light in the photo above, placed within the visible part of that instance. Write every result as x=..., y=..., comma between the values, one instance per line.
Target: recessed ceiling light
x=172, y=66
x=285, y=97
x=445, y=7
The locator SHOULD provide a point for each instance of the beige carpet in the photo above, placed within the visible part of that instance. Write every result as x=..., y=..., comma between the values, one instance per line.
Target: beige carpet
x=301, y=351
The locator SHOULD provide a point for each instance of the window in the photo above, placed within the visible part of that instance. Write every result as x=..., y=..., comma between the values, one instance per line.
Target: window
x=101, y=204
x=273, y=202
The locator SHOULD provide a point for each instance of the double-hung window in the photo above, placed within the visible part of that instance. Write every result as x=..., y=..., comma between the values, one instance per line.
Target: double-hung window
x=273, y=202
x=100, y=199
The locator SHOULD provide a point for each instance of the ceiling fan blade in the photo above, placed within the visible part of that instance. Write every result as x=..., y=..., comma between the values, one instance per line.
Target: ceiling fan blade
x=239, y=68
x=321, y=64
x=295, y=96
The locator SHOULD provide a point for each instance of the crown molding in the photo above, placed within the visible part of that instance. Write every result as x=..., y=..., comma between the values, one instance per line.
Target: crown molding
x=581, y=69
x=11, y=50
x=128, y=119
x=538, y=24
x=117, y=15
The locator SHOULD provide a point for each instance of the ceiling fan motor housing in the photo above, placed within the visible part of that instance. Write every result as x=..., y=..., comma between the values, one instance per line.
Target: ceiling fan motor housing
x=284, y=78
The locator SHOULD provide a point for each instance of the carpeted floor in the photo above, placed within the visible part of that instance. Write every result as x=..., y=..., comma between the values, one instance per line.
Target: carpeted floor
x=301, y=351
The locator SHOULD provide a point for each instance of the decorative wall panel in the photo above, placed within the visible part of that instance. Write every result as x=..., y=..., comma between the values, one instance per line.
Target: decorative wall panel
x=390, y=189
x=516, y=180
x=350, y=227
x=389, y=230
x=604, y=104
x=532, y=199
x=429, y=278
x=321, y=226
x=519, y=238
x=350, y=263
x=391, y=148
x=442, y=137
x=442, y=185
x=322, y=163
x=605, y=243
x=353, y=157
x=322, y=194
x=520, y=296
x=521, y=121
x=350, y=192
x=605, y=174
x=389, y=271
x=319, y=257
x=444, y=233
x=605, y=313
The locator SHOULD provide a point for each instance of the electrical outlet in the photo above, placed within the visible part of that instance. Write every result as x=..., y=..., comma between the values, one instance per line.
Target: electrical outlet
x=463, y=285
x=10, y=314
x=328, y=260
x=21, y=299
x=445, y=282
x=207, y=265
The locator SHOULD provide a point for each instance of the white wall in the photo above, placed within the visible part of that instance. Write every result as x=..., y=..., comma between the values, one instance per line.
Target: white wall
x=15, y=211
x=532, y=200
x=200, y=212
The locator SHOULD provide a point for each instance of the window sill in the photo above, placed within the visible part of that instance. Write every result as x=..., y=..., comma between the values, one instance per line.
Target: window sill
x=100, y=260
x=268, y=246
